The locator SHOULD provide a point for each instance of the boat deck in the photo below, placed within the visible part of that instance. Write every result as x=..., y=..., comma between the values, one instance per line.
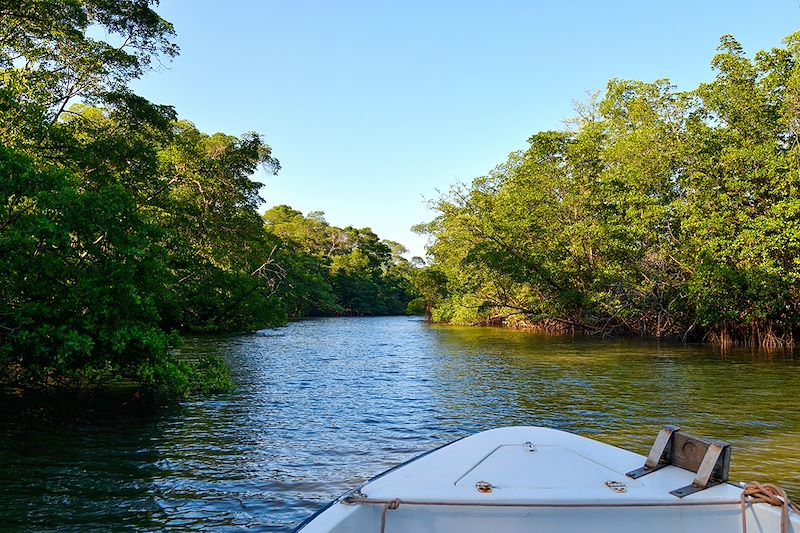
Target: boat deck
x=538, y=466
x=516, y=479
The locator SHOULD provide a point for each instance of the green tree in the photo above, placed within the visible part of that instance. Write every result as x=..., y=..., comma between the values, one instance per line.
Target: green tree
x=343, y=270
x=79, y=242
x=741, y=207
x=223, y=267
x=47, y=55
x=659, y=212
x=79, y=298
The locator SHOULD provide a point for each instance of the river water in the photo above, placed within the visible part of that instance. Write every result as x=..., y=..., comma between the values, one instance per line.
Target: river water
x=322, y=405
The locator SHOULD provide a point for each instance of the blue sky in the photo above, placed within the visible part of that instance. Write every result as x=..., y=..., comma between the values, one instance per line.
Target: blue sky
x=373, y=107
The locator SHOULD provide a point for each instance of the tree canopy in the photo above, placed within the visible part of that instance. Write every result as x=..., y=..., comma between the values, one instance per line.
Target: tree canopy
x=347, y=270
x=121, y=225
x=660, y=212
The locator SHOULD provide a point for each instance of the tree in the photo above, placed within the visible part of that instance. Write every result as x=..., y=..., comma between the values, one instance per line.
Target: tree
x=78, y=240
x=343, y=270
x=663, y=213
x=223, y=266
x=79, y=297
x=741, y=205
x=46, y=54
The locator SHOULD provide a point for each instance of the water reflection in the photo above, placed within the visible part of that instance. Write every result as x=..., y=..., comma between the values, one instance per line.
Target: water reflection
x=324, y=404
x=69, y=469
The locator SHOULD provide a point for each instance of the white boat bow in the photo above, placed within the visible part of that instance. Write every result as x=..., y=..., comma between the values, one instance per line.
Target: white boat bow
x=516, y=479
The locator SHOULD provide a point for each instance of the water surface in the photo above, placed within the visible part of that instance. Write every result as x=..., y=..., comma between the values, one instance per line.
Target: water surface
x=322, y=405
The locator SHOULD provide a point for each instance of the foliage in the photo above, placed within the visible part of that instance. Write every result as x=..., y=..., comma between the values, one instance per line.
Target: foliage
x=659, y=213
x=211, y=376
x=343, y=270
x=81, y=261
x=82, y=272
x=120, y=224
x=221, y=263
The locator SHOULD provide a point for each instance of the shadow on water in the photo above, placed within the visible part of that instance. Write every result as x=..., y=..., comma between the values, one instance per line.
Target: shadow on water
x=76, y=465
x=324, y=404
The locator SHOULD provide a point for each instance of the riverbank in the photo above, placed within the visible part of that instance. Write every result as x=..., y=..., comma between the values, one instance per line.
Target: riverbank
x=762, y=337
x=658, y=212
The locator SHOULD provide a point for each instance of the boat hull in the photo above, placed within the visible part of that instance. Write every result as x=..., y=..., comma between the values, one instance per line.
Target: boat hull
x=511, y=480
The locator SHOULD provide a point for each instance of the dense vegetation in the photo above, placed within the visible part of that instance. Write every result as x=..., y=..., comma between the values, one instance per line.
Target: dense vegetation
x=120, y=224
x=339, y=271
x=658, y=212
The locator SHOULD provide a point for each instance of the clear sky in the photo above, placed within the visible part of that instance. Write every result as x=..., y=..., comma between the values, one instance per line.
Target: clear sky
x=374, y=106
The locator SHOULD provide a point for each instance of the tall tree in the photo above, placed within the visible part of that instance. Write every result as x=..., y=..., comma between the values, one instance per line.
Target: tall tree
x=222, y=264
x=659, y=212
x=82, y=256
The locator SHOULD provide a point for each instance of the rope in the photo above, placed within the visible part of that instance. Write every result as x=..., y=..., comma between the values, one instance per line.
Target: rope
x=360, y=500
x=390, y=506
x=756, y=492
x=752, y=493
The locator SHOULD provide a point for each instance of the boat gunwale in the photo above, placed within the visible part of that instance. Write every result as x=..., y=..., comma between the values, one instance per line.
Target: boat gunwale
x=348, y=500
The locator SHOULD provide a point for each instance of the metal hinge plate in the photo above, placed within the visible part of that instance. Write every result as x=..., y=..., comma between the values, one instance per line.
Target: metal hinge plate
x=709, y=459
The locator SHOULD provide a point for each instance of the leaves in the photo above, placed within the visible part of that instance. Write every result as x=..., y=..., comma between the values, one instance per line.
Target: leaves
x=658, y=212
x=340, y=270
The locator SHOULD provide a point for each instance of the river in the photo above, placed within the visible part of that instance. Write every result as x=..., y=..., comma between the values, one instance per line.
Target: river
x=322, y=405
